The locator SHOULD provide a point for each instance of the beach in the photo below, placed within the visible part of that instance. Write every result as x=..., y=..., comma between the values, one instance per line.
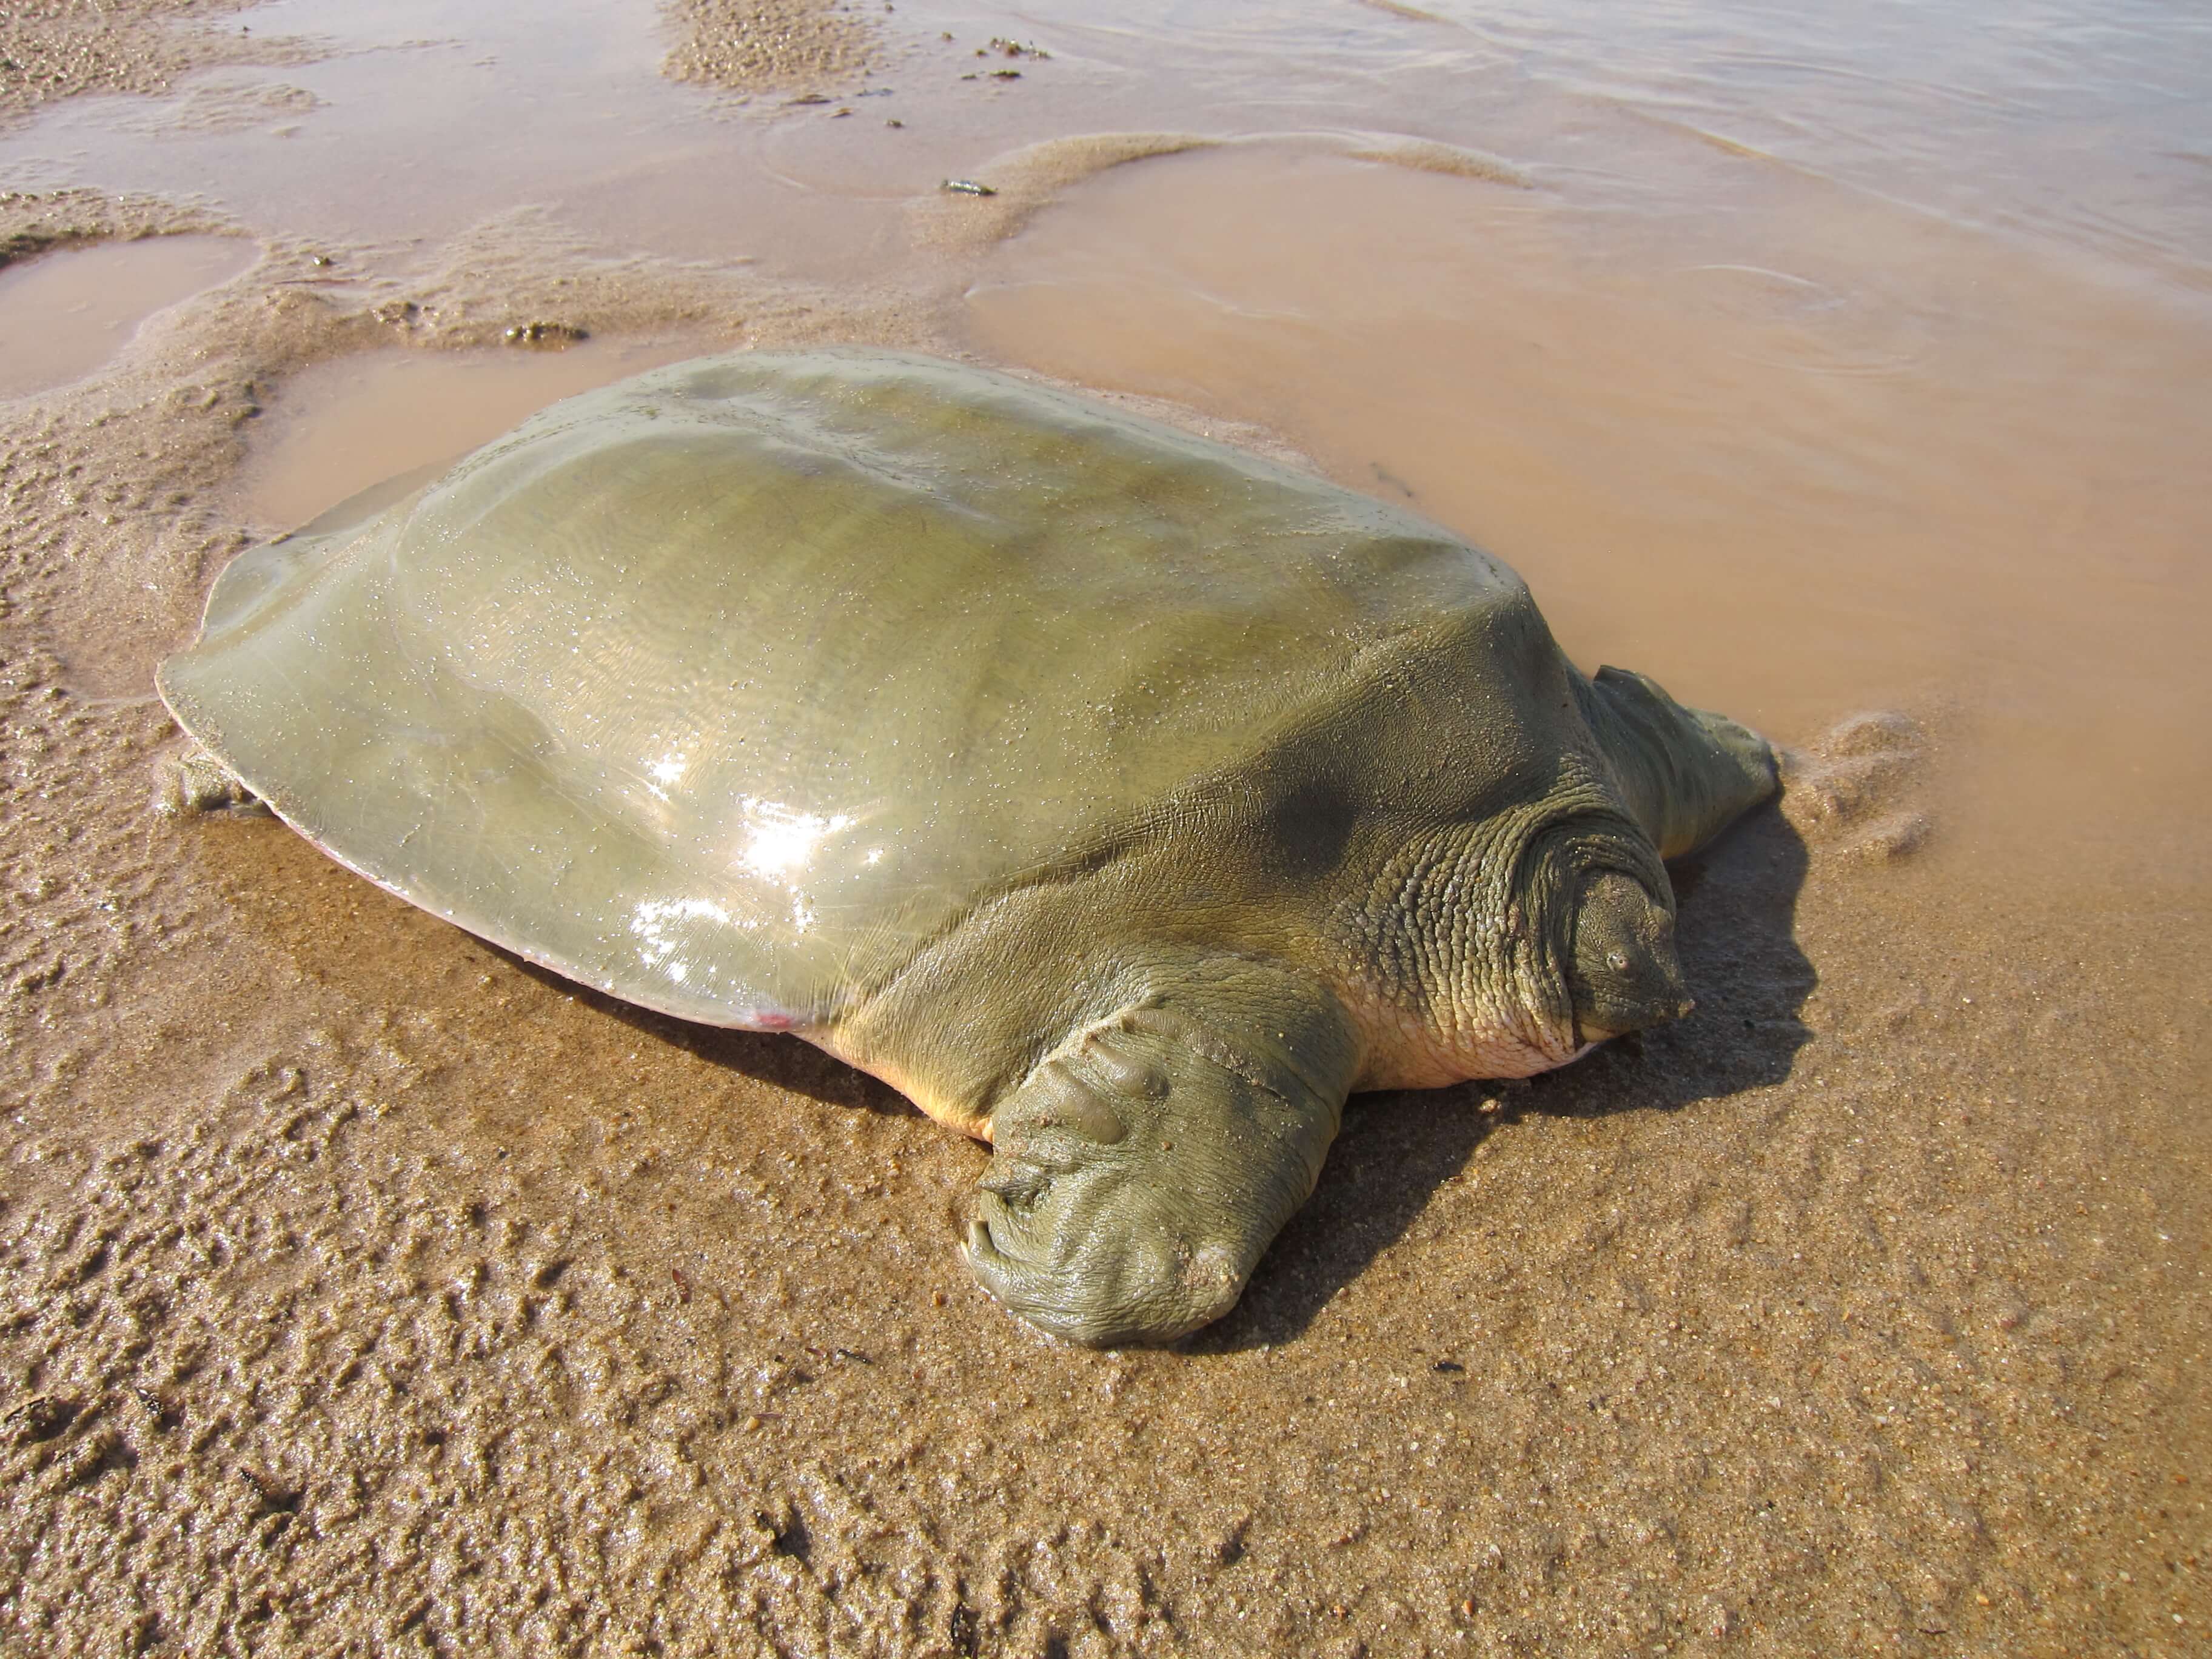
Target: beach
x=365, y=1289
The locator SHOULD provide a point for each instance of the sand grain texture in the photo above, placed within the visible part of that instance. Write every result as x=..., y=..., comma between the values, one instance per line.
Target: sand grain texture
x=52, y=49
x=363, y=1291
x=767, y=46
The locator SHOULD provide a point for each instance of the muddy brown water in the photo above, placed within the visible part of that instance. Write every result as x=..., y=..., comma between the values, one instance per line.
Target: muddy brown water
x=363, y=1290
x=340, y=428
x=1823, y=450
x=62, y=316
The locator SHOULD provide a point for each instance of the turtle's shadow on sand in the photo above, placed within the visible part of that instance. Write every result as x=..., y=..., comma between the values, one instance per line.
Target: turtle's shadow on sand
x=1737, y=935
x=770, y=1057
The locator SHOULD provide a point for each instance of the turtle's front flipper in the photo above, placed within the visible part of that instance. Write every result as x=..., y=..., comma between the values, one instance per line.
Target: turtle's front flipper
x=1687, y=774
x=1144, y=1166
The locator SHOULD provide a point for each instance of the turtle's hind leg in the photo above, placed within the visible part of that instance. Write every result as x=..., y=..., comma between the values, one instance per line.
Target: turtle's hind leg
x=194, y=781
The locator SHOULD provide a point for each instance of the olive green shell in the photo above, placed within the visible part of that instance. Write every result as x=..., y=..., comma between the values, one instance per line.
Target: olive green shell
x=725, y=688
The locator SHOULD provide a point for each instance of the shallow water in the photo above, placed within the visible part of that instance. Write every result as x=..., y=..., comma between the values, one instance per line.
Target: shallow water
x=63, y=315
x=339, y=428
x=371, y=1288
x=2080, y=124
x=1815, y=451
x=1823, y=362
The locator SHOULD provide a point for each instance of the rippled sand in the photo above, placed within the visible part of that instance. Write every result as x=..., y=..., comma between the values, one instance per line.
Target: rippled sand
x=364, y=1289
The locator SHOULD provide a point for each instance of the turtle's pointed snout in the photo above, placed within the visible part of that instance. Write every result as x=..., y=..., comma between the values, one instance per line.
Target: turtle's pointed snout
x=1622, y=970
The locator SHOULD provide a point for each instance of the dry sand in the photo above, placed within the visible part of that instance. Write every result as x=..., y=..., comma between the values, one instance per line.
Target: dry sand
x=365, y=1291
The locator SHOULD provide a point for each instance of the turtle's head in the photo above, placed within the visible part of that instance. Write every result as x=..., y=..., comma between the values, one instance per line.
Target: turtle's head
x=1621, y=971
x=1137, y=1177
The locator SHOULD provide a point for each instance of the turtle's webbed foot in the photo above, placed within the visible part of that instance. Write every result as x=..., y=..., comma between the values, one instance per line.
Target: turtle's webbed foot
x=1752, y=754
x=195, y=781
x=1136, y=1181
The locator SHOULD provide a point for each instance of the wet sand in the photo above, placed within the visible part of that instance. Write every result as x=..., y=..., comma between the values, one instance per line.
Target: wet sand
x=753, y=47
x=52, y=49
x=364, y=1289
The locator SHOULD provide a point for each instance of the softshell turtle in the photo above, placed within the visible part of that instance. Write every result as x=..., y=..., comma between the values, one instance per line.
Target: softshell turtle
x=1122, y=799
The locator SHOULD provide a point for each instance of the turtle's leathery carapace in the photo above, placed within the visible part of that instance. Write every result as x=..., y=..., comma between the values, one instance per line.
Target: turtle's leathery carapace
x=1124, y=799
